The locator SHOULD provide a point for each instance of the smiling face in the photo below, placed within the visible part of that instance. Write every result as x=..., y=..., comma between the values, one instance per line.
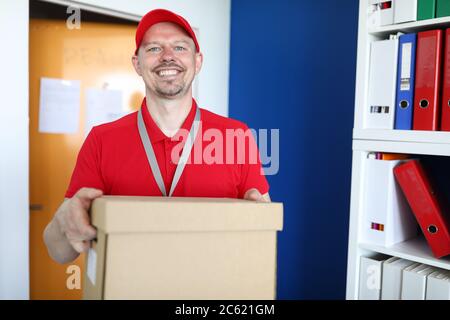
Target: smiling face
x=167, y=61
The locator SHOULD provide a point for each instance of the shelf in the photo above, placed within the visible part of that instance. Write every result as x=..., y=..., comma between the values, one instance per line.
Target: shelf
x=416, y=250
x=402, y=141
x=414, y=142
x=436, y=137
x=411, y=26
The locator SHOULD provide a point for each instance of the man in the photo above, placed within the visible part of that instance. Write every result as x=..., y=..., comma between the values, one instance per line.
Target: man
x=140, y=153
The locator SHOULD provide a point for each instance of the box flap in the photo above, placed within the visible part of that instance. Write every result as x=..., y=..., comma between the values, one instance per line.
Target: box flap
x=164, y=214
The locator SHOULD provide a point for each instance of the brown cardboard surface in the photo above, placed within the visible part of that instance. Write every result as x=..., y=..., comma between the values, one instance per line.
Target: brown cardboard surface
x=184, y=248
x=157, y=214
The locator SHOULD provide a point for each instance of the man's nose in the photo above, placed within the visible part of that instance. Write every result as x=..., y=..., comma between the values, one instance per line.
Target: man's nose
x=167, y=54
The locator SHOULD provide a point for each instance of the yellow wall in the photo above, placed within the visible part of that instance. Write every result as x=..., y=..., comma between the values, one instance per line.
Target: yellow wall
x=98, y=54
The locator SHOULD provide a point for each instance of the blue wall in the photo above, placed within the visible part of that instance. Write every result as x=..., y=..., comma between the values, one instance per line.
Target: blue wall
x=293, y=67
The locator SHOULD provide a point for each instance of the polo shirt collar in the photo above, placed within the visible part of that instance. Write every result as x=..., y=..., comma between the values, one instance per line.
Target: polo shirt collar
x=154, y=132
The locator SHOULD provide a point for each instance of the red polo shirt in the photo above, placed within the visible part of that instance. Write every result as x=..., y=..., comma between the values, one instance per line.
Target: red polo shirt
x=113, y=159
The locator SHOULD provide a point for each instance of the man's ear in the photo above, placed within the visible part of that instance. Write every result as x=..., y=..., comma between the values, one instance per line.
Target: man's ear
x=136, y=64
x=198, y=62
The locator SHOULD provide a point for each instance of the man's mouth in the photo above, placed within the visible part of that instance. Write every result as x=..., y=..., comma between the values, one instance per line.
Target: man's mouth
x=167, y=73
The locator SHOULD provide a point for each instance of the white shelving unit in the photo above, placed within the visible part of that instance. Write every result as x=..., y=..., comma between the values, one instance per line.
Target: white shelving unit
x=379, y=140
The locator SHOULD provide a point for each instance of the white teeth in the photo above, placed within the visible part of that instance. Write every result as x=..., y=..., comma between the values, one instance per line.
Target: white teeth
x=164, y=73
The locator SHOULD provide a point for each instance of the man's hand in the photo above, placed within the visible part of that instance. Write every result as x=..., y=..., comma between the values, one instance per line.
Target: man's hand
x=254, y=195
x=70, y=232
x=74, y=221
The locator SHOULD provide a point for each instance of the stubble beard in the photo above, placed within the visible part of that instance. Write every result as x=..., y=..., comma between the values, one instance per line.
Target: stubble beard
x=173, y=90
x=170, y=92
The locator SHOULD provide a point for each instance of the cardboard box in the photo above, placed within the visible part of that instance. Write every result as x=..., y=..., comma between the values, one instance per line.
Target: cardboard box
x=182, y=248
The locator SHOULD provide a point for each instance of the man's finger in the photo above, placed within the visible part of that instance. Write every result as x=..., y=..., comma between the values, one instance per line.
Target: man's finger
x=78, y=225
x=81, y=246
x=88, y=232
x=81, y=235
x=84, y=229
x=86, y=195
x=253, y=195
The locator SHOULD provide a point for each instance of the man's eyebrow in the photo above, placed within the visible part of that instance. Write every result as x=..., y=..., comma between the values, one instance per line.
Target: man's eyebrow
x=182, y=41
x=150, y=42
x=159, y=43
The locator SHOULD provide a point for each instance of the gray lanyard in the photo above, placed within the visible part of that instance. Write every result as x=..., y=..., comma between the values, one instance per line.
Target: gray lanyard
x=151, y=153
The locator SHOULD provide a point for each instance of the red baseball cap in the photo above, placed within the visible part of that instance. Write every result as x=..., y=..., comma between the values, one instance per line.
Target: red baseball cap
x=162, y=15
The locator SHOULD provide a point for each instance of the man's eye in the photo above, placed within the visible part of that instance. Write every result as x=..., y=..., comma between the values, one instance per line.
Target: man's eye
x=154, y=49
x=179, y=48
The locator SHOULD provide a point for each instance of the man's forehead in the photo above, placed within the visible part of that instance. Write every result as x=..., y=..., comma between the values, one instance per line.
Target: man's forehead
x=166, y=29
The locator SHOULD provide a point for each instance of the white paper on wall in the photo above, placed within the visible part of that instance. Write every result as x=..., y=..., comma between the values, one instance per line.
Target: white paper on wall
x=59, y=106
x=102, y=105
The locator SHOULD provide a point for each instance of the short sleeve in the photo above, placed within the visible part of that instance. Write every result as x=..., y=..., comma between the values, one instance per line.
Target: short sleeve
x=87, y=171
x=252, y=174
